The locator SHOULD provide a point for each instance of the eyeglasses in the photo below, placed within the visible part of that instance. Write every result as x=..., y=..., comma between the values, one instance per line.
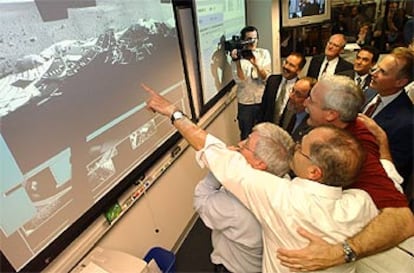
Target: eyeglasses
x=298, y=94
x=298, y=148
x=244, y=146
x=334, y=44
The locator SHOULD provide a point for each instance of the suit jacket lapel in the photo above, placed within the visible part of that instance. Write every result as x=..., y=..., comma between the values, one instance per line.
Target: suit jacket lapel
x=369, y=94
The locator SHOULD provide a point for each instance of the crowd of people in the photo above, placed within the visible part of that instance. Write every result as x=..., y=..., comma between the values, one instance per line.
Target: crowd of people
x=392, y=29
x=322, y=174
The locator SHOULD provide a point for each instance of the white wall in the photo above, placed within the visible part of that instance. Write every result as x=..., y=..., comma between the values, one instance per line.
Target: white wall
x=265, y=15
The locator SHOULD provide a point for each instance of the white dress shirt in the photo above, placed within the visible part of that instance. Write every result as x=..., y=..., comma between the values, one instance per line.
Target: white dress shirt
x=250, y=90
x=281, y=205
x=236, y=235
x=330, y=70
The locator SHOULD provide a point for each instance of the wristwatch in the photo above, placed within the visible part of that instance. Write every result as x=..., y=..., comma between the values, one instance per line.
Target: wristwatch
x=177, y=115
x=350, y=255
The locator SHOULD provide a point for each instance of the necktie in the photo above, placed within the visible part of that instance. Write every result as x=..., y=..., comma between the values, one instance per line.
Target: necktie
x=288, y=120
x=324, y=70
x=371, y=109
x=358, y=81
x=279, y=103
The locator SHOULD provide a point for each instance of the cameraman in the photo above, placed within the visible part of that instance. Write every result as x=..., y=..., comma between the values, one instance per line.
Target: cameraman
x=250, y=68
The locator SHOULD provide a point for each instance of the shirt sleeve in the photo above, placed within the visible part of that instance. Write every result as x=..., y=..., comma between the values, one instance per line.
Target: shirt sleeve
x=392, y=173
x=267, y=61
x=215, y=206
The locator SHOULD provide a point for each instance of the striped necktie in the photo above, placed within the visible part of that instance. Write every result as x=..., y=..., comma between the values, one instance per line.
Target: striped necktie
x=359, y=81
x=279, y=103
x=324, y=70
x=371, y=109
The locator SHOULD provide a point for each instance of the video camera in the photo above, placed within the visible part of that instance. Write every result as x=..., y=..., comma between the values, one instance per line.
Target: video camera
x=241, y=45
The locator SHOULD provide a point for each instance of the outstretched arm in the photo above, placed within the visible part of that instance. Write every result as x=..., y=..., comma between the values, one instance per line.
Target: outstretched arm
x=387, y=230
x=195, y=136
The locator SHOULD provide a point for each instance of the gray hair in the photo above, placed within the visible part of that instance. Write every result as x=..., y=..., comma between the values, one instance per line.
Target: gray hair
x=275, y=147
x=343, y=96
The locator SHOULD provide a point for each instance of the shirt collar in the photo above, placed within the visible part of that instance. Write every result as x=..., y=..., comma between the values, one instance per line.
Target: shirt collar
x=318, y=189
x=301, y=114
x=363, y=77
x=385, y=100
x=291, y=81
x=334, y=60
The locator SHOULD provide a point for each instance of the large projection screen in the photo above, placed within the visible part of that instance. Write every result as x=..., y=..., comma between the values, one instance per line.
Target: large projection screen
x=73, y=118
x=217, y=21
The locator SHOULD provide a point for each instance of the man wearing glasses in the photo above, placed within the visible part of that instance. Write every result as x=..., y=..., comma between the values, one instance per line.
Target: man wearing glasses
x=250, y=72
x=329, y=63
x=236, y=234
x=327, y=159
x=297, y=126
x=336, y=100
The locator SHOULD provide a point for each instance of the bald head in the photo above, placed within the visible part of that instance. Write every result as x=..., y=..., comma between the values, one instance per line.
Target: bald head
x=338, y=154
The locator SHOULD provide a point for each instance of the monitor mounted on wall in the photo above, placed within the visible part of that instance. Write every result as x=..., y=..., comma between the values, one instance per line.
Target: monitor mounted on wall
x=305, y=12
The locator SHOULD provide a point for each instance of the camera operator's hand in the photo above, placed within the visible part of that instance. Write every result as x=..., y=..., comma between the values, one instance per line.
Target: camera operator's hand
x=252, y=59
x=234, y=54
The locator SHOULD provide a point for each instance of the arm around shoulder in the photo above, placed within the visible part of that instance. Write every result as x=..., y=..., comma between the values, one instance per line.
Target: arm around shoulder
x=387, y=230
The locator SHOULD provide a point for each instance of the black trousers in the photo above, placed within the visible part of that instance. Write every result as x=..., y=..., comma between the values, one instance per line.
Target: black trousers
x=220, y=268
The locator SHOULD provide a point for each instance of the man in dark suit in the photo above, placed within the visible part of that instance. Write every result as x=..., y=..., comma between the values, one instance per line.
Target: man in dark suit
x=276, y=93
x=365, y=60
x=394, y=110
x=329, y=63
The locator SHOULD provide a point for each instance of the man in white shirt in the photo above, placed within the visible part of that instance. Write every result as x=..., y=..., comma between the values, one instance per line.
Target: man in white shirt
x=236, y=234
x=250, y=73
x=327, y=159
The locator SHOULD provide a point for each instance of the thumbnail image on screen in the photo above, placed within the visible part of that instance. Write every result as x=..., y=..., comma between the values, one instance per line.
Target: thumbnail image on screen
x=300, y=8
x=73, y=121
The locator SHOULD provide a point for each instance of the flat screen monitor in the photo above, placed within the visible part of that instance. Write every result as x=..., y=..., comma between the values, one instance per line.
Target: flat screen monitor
x=74, y=131
x=305, y=12
x=217, y=21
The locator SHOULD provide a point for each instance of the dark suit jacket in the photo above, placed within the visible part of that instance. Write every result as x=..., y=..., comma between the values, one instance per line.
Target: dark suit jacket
x=269, y=96
x=369, y=94
x=316, y=62
x=302, y=129
x=397, y=120
x=351, y=74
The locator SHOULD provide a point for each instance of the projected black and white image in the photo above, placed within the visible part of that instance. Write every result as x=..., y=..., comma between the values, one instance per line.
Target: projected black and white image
x=73, y=118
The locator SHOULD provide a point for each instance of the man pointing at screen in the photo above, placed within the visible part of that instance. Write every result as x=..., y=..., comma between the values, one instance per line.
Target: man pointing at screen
x=269, y=197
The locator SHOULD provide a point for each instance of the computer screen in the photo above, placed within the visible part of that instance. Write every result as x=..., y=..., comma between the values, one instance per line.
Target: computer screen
x=217, y=21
